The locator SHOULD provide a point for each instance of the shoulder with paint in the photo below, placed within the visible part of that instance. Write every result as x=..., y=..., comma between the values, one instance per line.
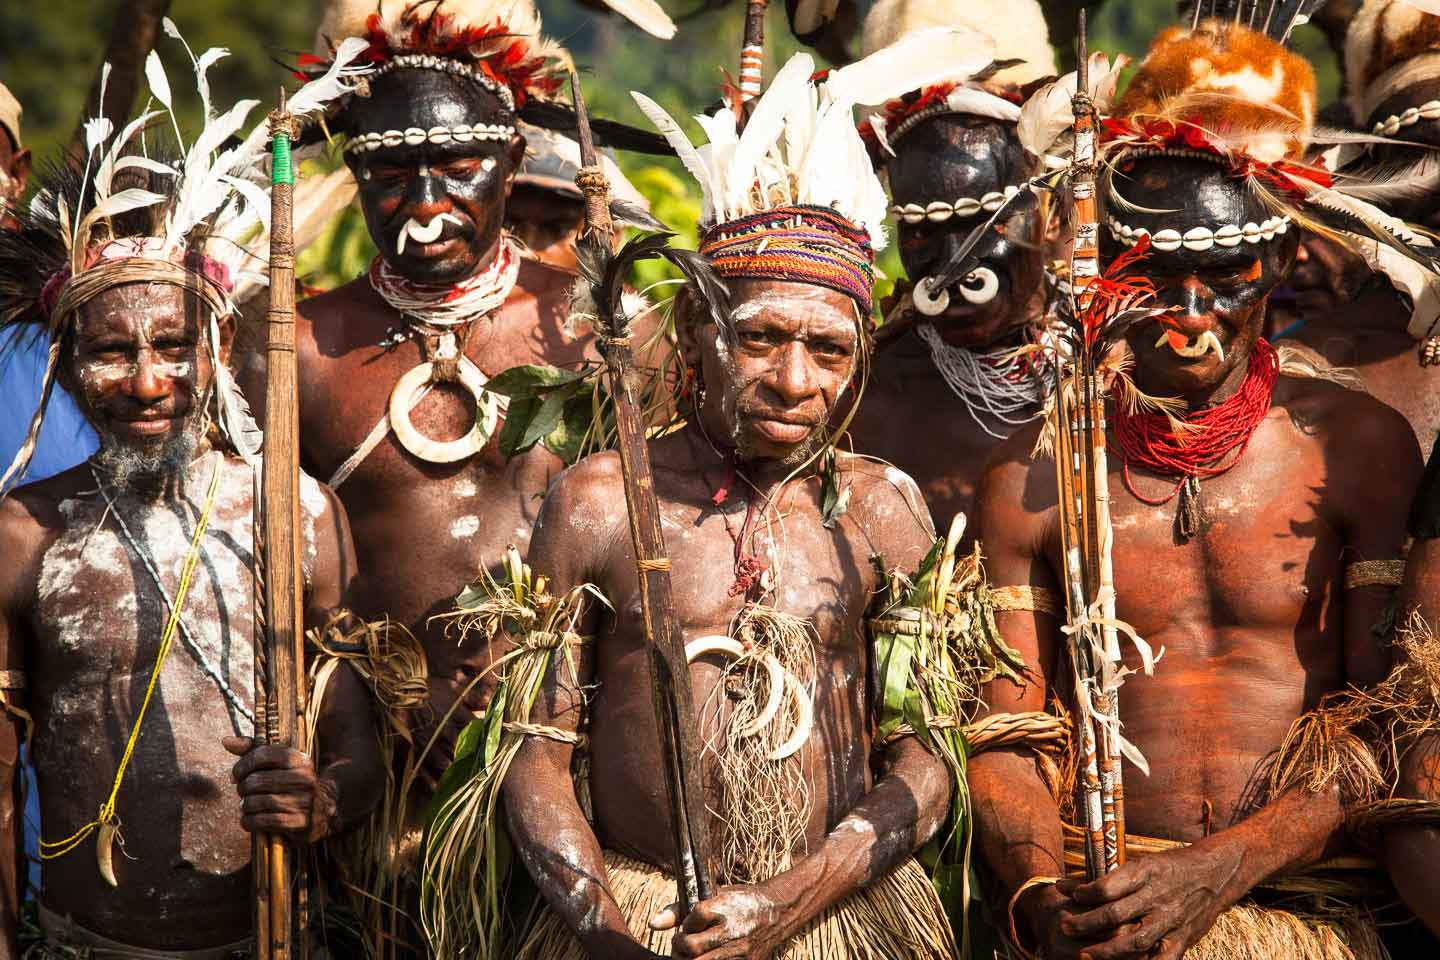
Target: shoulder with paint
x=31, y=516
x=585, y=505
x=886, y=506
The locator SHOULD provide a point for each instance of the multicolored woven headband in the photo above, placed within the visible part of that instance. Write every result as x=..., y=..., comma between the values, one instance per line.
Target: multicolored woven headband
x=806, y=244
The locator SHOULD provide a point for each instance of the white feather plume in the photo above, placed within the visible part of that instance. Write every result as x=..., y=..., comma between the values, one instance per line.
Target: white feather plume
x=679, y=142
x=158, y=81
x=915, y=61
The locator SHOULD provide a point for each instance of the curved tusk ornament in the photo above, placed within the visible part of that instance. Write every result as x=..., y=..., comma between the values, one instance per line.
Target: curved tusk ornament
x=779, y=680
x=105, y=852
x=804, y=721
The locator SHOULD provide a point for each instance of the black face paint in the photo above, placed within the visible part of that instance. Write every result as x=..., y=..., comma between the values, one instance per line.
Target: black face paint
x=1219, y=292
x=464, y=185
x=946, y=159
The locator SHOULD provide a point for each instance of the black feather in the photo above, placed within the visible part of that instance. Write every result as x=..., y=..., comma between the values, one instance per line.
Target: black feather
x=560, y=117
x=1274, y=18
x=627, y=214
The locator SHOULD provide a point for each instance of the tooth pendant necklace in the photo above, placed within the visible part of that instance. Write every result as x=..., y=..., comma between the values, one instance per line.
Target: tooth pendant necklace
x=443, y=317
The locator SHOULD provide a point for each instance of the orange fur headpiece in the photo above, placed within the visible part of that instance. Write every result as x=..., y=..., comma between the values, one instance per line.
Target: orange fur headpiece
x=1244, y=94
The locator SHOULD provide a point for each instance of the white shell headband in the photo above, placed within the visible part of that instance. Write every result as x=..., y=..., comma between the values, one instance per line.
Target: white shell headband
x=414, y=136
x=938, y=211
x=1201, y=238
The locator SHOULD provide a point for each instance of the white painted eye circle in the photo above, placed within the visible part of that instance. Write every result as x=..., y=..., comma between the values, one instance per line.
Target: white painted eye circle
x=980, y=287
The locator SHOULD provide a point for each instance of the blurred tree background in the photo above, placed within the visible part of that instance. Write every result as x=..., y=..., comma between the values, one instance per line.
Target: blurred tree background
x=50, y=52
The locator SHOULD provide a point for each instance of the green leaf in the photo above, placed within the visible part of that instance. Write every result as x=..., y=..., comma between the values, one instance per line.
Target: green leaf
x=517, y=422
x=494, y=726
x=833, y=501
x=470, y=738
x=569, y=434
x=893, y=652
x=530, y=380
x=547, y=416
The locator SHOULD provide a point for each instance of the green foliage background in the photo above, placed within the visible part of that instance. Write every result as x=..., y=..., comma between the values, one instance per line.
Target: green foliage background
x=50, y=51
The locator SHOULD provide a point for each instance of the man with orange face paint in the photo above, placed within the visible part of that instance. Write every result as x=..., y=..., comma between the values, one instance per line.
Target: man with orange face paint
x=1257, y=526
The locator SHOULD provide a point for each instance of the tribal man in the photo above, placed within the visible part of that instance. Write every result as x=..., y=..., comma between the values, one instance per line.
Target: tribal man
x=1254, y=549
x=815, y=814
x=955, y=381
x=127, y=637
x=449, y=301
x=1355, y=316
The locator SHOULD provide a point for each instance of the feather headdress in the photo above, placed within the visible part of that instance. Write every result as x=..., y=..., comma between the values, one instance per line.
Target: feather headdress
x=1011, y=51
x=794, y=196
x=1391, y=47
x=1221, y=91
x=121, y=214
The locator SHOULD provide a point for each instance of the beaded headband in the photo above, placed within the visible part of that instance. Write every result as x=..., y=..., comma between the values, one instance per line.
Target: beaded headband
x=806, y=244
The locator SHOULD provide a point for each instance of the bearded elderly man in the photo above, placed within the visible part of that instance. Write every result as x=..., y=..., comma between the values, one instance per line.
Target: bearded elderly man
x=127, y=638
x=958, y=380
x=393, y=364
x=1249, y=554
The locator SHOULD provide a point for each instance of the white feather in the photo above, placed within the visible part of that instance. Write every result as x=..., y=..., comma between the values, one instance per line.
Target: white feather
x=675, y=136
x=256, y=199
x=146, y=163
x=202, y=81
x=106, y=171
x=123, y=202
x=97, y=131
x=787, y=95
x=915, y=61
x=170, y=28
x=645, y=14
x=236, y=421
x=982, y=103
x=155, y=76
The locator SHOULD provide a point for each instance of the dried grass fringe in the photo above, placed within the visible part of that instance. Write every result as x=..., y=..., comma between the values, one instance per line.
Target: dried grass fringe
x=764, y=803
x=375, y=863
x=1248, y=931
x=899, y=917
x=1356, y=738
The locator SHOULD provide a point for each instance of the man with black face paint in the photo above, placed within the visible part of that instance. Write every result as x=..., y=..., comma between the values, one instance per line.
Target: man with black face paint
x=1256, y=546
x=960, y=378
x=1369, y=322
x=393, y=365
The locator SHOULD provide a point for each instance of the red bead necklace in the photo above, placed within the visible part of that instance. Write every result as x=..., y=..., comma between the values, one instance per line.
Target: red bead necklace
x=1224, y=431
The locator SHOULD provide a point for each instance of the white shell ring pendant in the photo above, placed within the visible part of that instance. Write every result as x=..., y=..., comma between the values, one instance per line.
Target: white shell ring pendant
x=780, y=681
x=407, y=393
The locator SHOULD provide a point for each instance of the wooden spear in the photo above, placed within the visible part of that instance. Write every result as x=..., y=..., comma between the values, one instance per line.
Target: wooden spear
x=284, y=653
x=670, y=673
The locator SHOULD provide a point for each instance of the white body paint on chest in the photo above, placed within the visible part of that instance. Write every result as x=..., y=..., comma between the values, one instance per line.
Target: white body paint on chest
x=99, y=617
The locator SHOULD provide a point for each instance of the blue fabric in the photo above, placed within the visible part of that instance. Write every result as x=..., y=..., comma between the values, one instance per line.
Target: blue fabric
x=65, y=437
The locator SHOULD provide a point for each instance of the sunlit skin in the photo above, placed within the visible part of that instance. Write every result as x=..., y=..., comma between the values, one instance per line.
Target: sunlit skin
x=547, y=222
x=141, y=371
x=768, y=393
x=1250, y=613
x=423, y=530
x=910, y=416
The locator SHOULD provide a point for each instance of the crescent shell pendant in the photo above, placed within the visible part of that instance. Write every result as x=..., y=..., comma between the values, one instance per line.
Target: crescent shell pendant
x=405, y=395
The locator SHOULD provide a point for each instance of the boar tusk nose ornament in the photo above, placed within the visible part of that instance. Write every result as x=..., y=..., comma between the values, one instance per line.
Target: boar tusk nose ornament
x=423, y=233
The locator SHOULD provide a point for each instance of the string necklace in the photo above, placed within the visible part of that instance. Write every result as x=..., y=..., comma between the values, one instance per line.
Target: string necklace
x=751, y=571
x=235, y=704
x=997, y=383
x=1219, y=439
x=450, y=304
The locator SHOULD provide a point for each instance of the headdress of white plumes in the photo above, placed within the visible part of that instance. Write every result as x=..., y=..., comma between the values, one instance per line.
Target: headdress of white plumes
x=200, y=215
x=1016, y=29
x=800, y=145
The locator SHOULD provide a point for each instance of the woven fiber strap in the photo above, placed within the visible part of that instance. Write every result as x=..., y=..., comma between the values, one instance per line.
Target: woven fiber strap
x=12, y=679
x=1039, y=731
x=1374, y=573
x=550, y=640
x=1025, y=597
x=578, y=740
x=895, y=625
x=658, y=565
x=937, y=722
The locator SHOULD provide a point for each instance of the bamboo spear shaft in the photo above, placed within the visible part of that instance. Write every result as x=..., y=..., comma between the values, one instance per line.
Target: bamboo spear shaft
x=752, y=57
x=670, y=672
x=280, y=522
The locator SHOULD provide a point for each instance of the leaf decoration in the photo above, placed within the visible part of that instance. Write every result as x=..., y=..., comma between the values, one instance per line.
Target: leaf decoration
x=530, y=380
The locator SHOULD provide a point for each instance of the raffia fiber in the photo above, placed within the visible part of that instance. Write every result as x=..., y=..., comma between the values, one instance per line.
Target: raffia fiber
x=1248, y=931
x=897, y=918
x=375, y=863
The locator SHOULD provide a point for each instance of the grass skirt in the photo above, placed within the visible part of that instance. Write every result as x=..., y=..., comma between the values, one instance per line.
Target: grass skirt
x=1248, y=931
x=897, y=918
